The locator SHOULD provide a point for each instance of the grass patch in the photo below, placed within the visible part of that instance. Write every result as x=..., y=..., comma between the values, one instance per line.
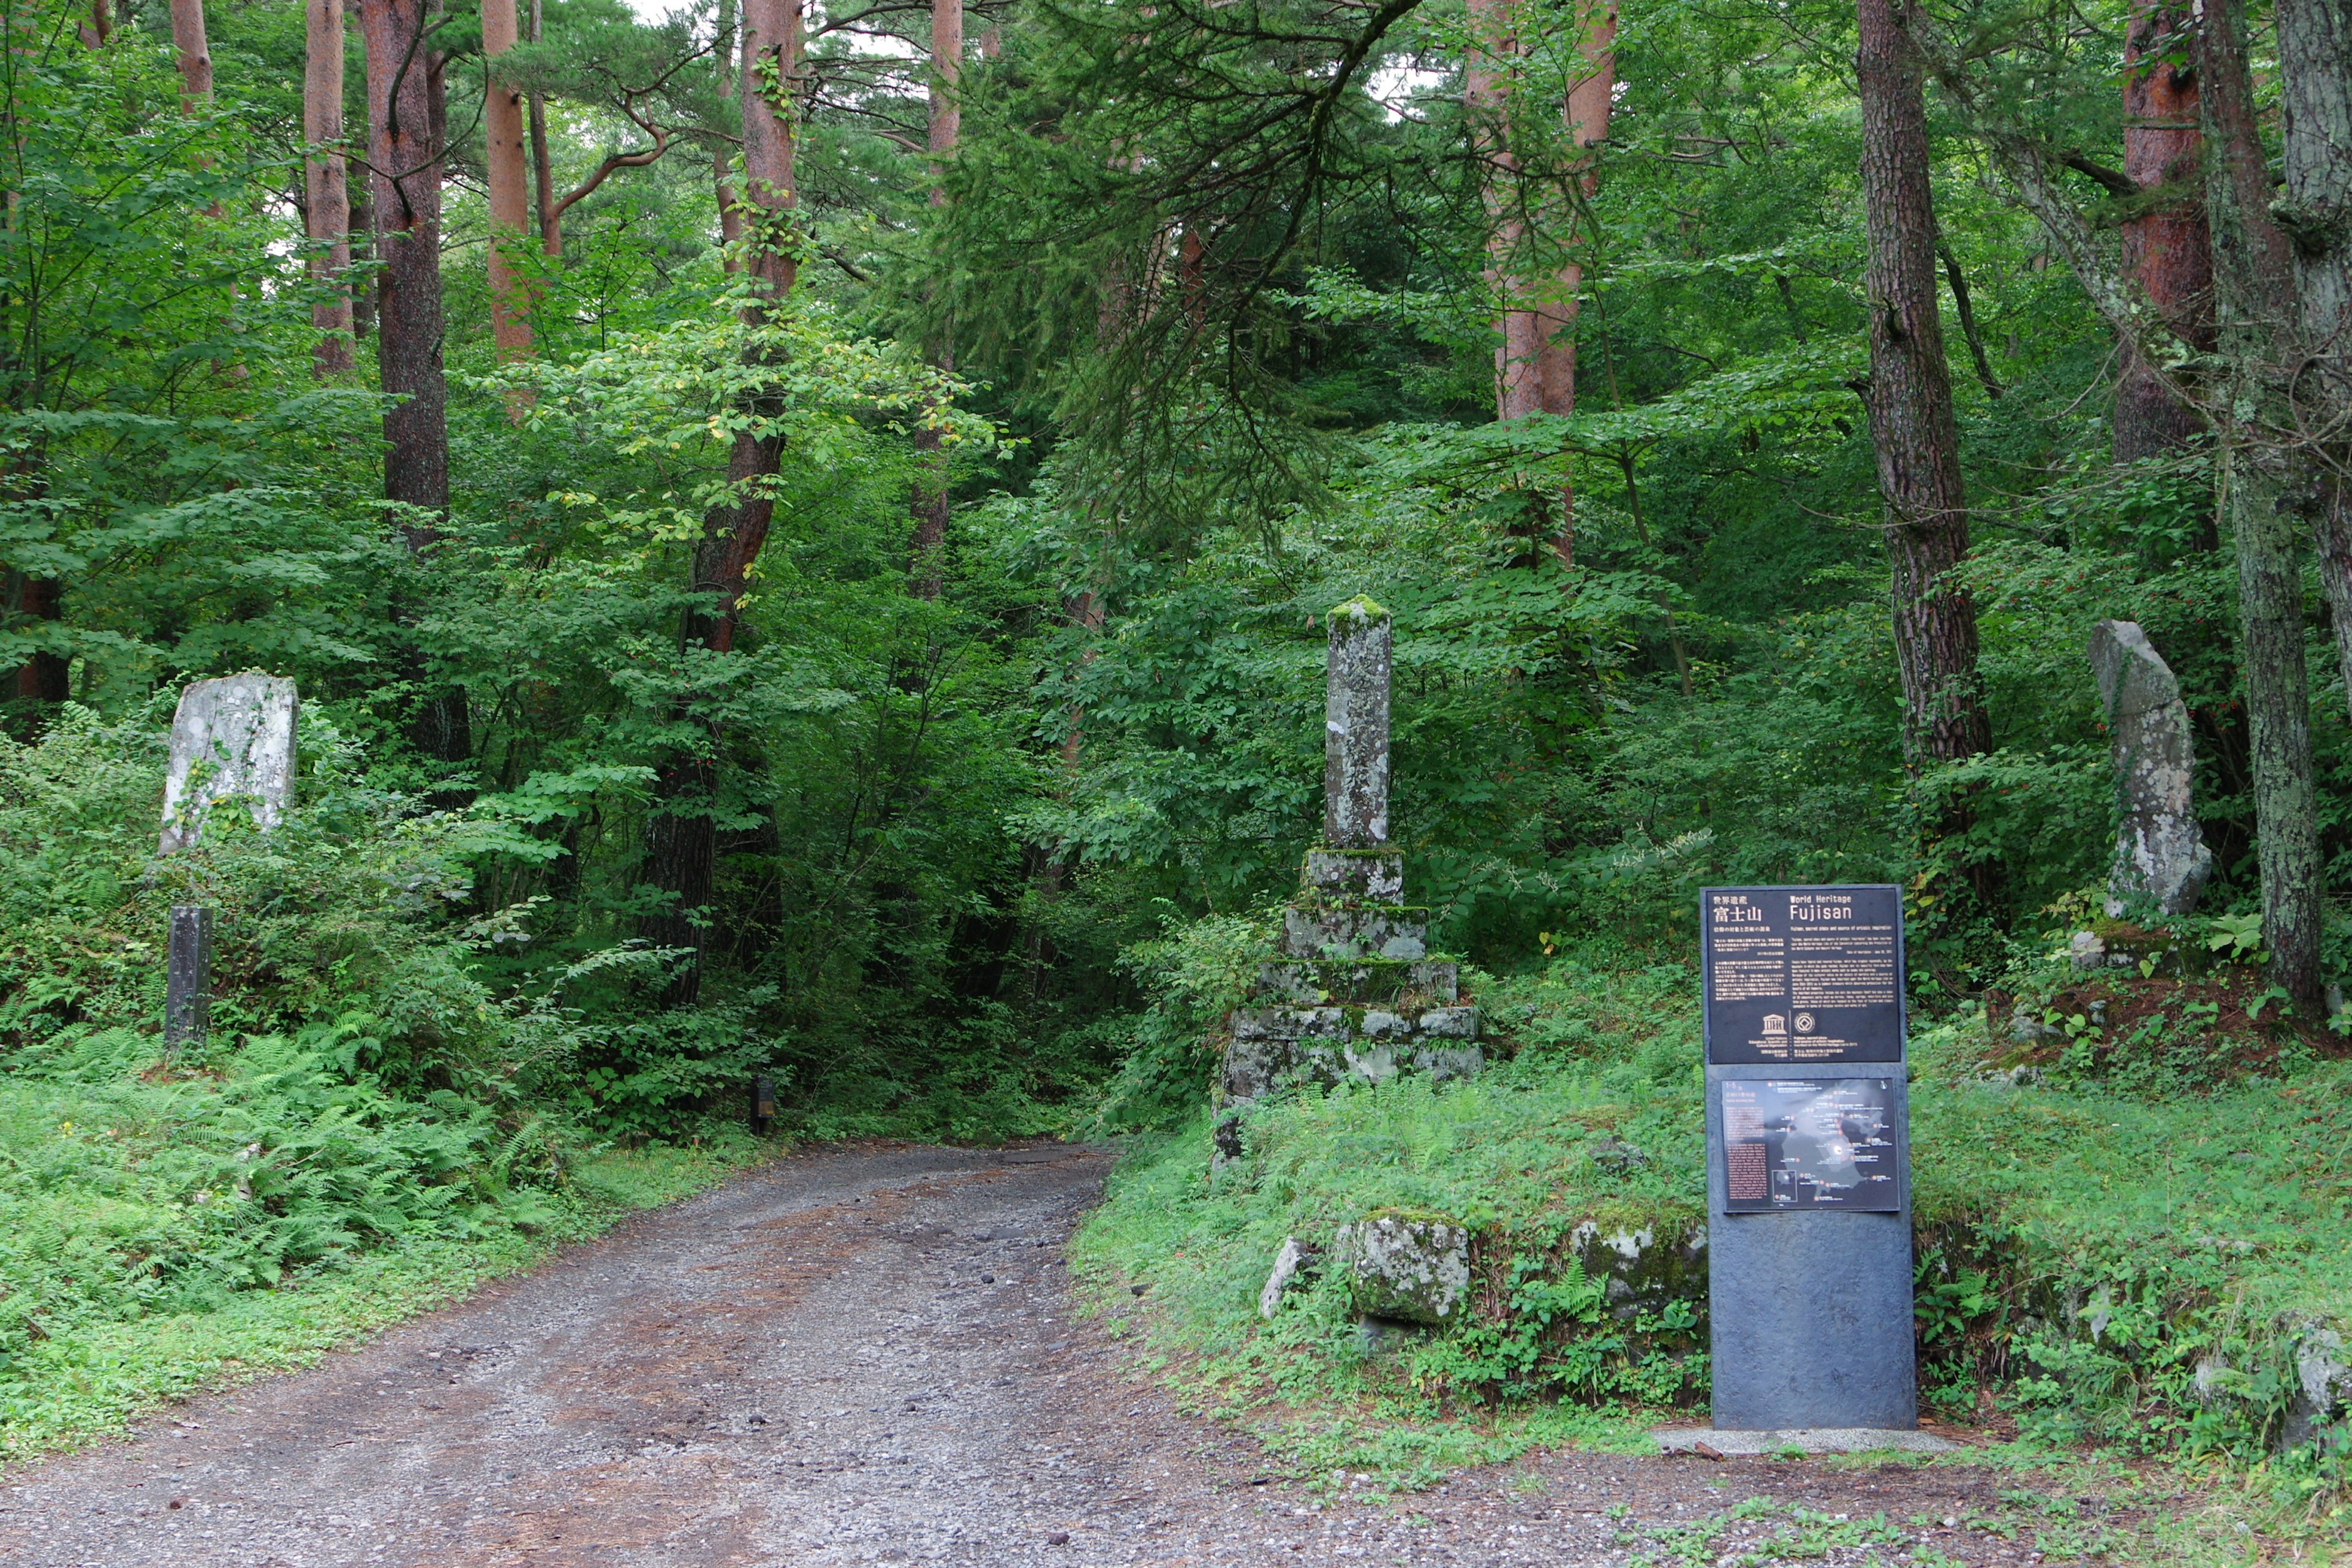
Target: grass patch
x=162, y=1234
x=2147, y=1271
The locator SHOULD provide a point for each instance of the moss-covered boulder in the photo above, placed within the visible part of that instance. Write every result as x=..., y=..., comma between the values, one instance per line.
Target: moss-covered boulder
x=1407, y=1264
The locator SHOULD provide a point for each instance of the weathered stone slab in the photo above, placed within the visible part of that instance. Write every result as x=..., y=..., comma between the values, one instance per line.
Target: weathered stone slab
x=2160, y=852
x=1406, y=1265
x=1356, y=728
x=1375, y=982
x=232, y=739
x=1368, y=876
x=1291, y=1264
x=1375, y=931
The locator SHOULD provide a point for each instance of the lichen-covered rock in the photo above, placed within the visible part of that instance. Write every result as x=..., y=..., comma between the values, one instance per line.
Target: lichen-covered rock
x=1293, y=1263
x=1641, y=1271
x=2323, y=1376
x=2160, y=851
x=1406, y=1265
x=1382, y=931
x=1356, y=729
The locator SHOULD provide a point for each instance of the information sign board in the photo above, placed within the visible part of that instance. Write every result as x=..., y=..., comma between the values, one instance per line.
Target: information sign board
x=1813, y=1143
x=1802, y=976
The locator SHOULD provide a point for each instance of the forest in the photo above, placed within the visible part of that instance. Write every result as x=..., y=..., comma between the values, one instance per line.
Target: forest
x=803, y=534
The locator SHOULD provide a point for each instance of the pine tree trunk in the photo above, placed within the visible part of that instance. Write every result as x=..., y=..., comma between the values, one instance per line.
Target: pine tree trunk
x=327, y=206
x=506, y=166
x=2253, y=278
x=404, y=131
x=2166, y=247
x=193, y=54
x=543, y=167
x=1909, y=395
x=2314, y=42
x=681, y=839
x=43, y=679
x=406, y=186
x=1535, y=363
x=931, y=504
x=722, y=158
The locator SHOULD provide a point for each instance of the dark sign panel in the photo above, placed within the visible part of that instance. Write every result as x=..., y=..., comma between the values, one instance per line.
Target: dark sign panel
x=1802, y=974
x=1816, y=1143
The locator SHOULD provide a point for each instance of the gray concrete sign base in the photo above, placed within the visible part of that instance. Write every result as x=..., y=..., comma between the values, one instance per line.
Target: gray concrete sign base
x=1807, y=1439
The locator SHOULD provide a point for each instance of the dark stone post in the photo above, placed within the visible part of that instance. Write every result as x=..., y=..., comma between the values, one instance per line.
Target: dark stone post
x=1356, y=729
x=188, y=979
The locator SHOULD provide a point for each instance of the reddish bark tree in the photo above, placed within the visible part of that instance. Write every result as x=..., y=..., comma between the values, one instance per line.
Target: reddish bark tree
x=1909, y=395
x=506, y=159
x=2165, y=244
x=326, y=203
x=193, y=53
x=1535, y=363
x=931, y=506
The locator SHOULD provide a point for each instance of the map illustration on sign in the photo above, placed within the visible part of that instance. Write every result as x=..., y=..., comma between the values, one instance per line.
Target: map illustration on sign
x=1803, y=975
x=1820, y=1143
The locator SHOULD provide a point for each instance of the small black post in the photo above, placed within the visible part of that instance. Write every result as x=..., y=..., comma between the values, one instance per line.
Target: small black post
x=188, y=978
x=763, y=1105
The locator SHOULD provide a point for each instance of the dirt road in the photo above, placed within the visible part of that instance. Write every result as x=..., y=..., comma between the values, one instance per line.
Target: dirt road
x=857, y=1356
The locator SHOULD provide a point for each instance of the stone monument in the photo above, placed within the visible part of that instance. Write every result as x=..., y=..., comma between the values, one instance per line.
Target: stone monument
x=2160, y=852
x=232, y=739
x=1354, y=992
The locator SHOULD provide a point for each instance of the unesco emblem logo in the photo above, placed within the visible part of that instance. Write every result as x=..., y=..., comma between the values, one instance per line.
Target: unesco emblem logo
x=1804, y=1023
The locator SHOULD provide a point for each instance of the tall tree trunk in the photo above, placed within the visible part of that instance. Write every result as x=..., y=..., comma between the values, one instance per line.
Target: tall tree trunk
x=2263, y=323
x=99, y=28
x=1534, y=364
x=543, y=167
x=42, y=680
x=1912, y=423
x=506, y=161
x=931, y=504
x=2315, y=109
x=326, y=206
x=723, y=157
x=2166, y=247
x=193, y=54
x=681, y=847
x=405, y=129
x=406, y=180
x=363, y=254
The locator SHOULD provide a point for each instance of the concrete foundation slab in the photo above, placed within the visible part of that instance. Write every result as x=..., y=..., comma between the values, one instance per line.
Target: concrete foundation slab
x=1809, y=1439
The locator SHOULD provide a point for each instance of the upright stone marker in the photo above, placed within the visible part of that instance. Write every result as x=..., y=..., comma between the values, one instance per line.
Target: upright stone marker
x=232, y=739
x=2160, y=851
x=1356, y=728
x=1355, y=993
x=188, y=978
x=1808, y=1182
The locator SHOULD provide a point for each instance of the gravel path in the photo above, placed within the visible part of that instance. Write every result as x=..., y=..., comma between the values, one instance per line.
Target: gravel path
x=863, y=1355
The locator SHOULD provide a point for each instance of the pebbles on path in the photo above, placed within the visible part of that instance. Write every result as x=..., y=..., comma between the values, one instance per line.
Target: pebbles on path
x=858, y=1355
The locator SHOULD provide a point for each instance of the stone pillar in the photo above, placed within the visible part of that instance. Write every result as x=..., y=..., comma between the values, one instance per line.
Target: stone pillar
x=1356, y=729
x=232, y=737
x=2160, y=853
x=188, y=979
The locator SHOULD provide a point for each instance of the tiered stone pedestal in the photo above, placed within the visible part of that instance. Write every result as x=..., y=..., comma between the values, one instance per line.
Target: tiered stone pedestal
x=1354, y=994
